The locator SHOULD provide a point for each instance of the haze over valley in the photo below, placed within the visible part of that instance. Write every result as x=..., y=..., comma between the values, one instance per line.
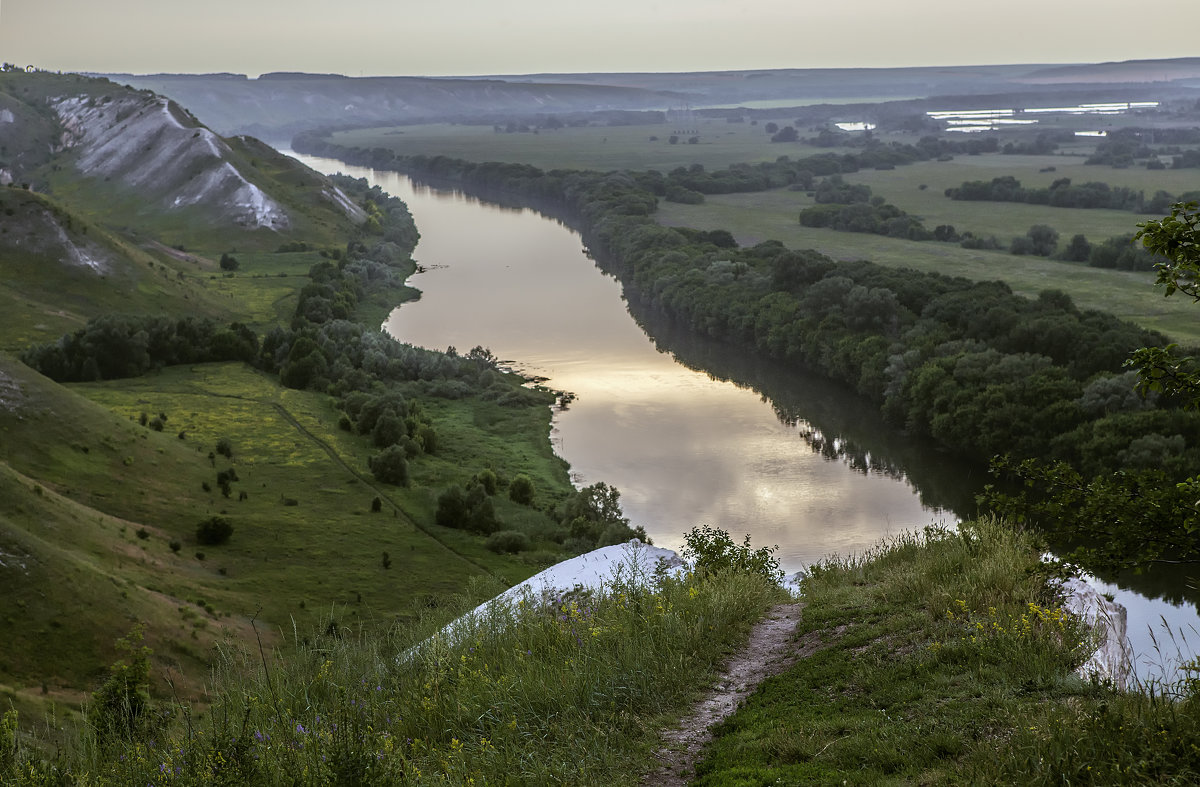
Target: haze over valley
x=318, y=330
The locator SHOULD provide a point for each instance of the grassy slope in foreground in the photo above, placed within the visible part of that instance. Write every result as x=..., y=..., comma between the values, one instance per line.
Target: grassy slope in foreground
x=942, y=660
x=947, y=662
x=570, y=692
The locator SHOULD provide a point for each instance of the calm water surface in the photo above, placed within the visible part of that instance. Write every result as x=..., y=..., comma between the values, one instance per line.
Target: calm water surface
x=690, y=432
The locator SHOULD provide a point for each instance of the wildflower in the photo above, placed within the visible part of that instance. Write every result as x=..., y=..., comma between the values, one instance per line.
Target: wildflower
x=300, y=728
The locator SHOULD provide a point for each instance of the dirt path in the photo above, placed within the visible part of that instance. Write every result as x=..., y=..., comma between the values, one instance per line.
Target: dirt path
x=769, y=651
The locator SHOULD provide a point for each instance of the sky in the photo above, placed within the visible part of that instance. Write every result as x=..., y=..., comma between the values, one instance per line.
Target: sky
x=471, y=37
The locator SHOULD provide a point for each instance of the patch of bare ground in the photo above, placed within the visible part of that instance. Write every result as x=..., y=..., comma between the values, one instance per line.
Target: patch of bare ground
x=769, y=651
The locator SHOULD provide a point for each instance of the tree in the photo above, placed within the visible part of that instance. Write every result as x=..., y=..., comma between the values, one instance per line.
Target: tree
x=1176, y=239
x=786, y=134
x=1043, y=238
x=229, y=262
x=1078, y=250
x=521, y=490
x=452, y=509
x=390, y=466
x=214, y=530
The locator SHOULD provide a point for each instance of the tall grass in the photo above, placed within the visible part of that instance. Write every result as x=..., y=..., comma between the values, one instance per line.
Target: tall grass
x=551, y=690
x=947, y=658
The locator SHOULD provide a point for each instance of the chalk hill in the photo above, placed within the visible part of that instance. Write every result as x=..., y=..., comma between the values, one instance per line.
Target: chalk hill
x=103, y=186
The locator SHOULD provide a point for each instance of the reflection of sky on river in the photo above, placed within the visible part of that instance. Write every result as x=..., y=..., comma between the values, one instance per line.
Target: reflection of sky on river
x=683, y=449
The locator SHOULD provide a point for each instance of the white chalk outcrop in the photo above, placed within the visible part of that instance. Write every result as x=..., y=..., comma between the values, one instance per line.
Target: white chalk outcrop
x=629, y=563
x=343, y=201
x=1111, y=661
x=143, y=143
x=46, y=235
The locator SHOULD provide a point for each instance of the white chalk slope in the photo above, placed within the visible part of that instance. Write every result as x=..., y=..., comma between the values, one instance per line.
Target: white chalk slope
x=148, y=143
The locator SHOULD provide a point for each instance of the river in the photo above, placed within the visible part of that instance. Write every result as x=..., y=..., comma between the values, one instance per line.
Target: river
x=689, y=431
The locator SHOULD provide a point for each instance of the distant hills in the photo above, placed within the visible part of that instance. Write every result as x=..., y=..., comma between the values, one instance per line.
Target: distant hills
x=276, y=106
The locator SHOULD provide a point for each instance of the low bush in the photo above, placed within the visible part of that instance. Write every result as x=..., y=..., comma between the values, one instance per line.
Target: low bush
x=508, y=541
x=214, y=530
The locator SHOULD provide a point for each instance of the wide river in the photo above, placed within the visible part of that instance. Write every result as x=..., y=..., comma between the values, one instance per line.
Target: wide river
x=690, y=432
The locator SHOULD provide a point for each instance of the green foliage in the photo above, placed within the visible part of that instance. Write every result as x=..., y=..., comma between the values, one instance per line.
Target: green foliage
x=120, y=709
x=214, y=531
x=117, y=346
x=597, y=674
x=229, y=262
x=1176, y=238
x=521, y=490
x=923, y=660
x=507, y=542
x=390, y=466
x=1060, y=194
x=711, y=550
x=224, y=447
x=470, y=509
x=593, y=518
x=8, y=746
x=1122, y=520
x=487, y=479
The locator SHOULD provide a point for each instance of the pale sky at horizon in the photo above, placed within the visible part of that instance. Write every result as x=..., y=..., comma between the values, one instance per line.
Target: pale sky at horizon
x=472, y=37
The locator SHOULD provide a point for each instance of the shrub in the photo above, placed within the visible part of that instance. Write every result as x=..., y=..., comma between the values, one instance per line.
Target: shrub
x=376, y=505
x=487, y=479
x=225, y=447
x=507, y=542
x=428, y=438
x=713, y=551
x=452, y=510
x=214, y=530
x=175, y=545
x=521, y=490
x=119, y=708
x=390, y=466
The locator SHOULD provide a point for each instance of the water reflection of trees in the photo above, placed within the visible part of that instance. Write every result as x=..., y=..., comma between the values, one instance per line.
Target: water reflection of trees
x=835, y=423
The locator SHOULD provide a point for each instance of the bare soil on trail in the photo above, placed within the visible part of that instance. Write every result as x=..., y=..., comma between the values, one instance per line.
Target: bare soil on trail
x=771, y=650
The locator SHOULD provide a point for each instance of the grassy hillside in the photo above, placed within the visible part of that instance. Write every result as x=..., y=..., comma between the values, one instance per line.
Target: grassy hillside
x=940, y=658
x=60, y=269
x=104, y=485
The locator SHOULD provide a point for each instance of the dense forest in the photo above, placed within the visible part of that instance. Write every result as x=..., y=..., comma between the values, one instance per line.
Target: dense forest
x=983, y=372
